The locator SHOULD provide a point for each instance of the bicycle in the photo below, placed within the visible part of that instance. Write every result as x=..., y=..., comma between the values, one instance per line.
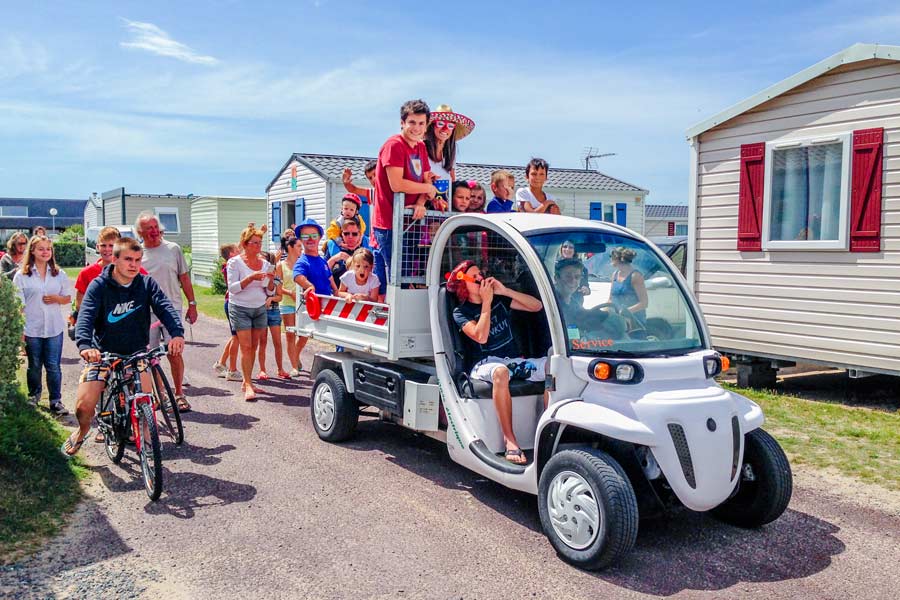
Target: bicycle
x=125, y=407
x=165, y=400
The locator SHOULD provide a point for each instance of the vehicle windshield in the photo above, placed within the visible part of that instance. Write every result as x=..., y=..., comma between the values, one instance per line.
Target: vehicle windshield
x=616, y=295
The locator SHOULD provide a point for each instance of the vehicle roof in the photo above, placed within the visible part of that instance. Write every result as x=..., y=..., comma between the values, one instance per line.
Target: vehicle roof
x=528, y=223
x=668, y=239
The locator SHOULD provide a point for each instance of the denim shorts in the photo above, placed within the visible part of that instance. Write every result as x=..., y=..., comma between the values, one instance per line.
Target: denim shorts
x=228, y=318
x=243, y=318
x=287, y=309
x=273, y=317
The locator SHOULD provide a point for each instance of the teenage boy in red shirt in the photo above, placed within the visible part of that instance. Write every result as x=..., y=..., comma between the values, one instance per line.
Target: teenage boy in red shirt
x=402, y=167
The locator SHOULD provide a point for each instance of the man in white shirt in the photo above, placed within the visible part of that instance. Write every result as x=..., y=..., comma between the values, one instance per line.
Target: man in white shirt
x=165, y=262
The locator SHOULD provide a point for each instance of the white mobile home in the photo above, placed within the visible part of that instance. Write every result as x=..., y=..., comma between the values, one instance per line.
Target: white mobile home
x=665, y=220
x=310, y=186
x=217, y=220
x=795, y=216
x=119, y=207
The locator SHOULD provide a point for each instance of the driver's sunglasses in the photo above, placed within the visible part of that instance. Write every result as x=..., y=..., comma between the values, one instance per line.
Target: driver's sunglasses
x=309, y=236
x=351, y=233
x=441, y=124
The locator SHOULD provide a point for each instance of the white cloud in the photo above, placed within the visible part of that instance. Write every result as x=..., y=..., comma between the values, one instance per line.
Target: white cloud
x=20, y=57
x=149, y=37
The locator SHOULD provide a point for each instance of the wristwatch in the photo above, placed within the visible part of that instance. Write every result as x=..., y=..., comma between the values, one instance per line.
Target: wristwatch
x=192, y=303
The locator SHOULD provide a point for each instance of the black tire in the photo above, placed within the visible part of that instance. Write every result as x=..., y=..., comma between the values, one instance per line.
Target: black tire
x=600, y=480
x=113, y=435
x=151, y=454
x=171, y=416
x=765, y=497
x=334, y=411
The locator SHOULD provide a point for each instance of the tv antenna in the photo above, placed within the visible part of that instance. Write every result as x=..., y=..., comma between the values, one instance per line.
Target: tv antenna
x=590, y=154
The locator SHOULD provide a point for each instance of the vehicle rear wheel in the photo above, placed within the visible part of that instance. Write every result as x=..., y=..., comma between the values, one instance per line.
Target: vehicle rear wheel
x=766, y=484
x=335, y=413
x=171, y=416
x=588, y=508
x=151, y=455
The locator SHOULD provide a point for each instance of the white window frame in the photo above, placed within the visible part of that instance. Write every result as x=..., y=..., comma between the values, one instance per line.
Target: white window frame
x=169, y=210
x=843, y=241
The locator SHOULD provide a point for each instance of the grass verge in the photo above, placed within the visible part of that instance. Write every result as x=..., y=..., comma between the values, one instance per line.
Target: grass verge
x=38, y=486
x=857, y=442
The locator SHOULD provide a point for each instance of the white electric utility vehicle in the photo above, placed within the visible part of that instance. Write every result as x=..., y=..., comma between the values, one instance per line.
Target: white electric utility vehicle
x=636, y=423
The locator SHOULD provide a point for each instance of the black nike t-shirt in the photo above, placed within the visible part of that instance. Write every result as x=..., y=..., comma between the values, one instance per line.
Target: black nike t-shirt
x=500, y=340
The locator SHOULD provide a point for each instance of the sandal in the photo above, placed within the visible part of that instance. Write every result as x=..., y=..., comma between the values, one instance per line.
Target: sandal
x=71, y=447
x=262, y=376
x=183, y=405
x=249, y=394
x=99, y=438
x=515, y=456
x=283, y=375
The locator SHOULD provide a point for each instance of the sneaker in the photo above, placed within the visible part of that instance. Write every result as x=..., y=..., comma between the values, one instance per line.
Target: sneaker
x=184, y=381
x=58, y=409
x=34, y=399
x=220, y=369
x=233, y=376
x=295, y=374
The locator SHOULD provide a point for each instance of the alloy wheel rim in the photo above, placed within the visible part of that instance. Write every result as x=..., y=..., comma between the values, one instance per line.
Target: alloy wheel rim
x=575, y=514
x=323, y=407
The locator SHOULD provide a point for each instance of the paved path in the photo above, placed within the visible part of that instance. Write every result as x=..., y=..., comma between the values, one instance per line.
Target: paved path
x=255, y=506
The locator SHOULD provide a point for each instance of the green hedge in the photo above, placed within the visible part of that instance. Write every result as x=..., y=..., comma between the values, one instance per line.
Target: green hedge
x=217, y=280
x=69, y=254
x=12, y=323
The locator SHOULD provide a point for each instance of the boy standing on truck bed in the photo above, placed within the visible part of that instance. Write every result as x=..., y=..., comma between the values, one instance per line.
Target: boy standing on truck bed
x=402, y=167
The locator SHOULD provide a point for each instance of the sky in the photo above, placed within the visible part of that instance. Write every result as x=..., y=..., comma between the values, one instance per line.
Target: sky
x=212, y=97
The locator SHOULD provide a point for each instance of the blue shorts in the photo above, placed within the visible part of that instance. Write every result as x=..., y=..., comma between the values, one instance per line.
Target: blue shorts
x=383, y=257
x=273, y=317
x=287, y=309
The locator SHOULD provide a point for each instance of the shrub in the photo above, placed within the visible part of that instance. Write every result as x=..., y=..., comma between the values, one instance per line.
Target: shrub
x=69, y=254
x=217, y=281
x=11, y=325
x=71, y=234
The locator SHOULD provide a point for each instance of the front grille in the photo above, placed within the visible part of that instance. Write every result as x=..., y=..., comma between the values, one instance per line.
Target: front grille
x=684, y=453
x=736, y=445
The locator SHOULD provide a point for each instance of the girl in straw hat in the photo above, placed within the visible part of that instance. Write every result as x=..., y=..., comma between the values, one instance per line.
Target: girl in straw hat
x=445, y=128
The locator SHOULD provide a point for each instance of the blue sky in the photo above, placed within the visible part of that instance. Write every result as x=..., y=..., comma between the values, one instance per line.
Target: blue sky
x=209, y=97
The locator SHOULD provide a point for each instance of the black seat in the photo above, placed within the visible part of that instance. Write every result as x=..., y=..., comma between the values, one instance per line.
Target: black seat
x=461, y=355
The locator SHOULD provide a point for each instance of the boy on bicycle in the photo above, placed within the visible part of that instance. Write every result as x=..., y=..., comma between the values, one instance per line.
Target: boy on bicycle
x=115, y=317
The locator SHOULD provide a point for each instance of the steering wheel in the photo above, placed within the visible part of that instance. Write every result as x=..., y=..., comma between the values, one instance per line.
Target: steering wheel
x=632, y=324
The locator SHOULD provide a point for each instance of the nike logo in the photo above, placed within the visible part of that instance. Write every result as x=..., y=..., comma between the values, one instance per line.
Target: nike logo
x=113, y=318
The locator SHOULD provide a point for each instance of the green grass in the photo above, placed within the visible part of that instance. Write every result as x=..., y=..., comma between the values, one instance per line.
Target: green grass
x=38, y=486
x=857, y=442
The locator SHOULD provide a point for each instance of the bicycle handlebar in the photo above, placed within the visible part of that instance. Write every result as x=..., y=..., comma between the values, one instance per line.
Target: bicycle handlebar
x=108, y=357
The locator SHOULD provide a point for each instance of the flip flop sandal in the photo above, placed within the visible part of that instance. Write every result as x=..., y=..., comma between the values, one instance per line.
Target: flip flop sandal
x=183, y=405
x=517, y=453
x=70, y=448
x=283, y=375
x=100, y=437
x=262, y=376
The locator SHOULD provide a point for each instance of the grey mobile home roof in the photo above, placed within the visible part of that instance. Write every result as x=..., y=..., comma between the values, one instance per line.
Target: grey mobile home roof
x=331, y=166
x=666, y=211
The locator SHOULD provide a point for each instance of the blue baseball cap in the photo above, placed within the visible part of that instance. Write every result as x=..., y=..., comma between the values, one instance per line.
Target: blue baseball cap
x=309, y=223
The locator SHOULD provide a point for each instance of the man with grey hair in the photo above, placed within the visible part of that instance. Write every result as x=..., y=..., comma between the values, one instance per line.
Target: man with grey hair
x=165, y=263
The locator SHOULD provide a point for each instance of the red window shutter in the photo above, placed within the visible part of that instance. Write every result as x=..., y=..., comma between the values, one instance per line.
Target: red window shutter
x=671, y=228
x=750, y=200
x=865, y=191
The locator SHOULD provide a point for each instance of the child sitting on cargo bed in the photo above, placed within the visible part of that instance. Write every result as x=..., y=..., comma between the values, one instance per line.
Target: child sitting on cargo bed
x=359, y=282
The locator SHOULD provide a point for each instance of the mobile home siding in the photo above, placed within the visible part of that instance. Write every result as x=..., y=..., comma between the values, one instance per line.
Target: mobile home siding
x=310, y=186
x=217, y=221
x=830, y=306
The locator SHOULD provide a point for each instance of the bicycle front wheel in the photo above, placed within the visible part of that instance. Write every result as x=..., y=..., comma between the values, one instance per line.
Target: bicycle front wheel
x=171, y=416
x=151, y=455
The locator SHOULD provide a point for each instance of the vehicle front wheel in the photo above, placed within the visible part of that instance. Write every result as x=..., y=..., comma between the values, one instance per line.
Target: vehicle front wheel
x=766, y=484
x=588, y=508
x=334, y=410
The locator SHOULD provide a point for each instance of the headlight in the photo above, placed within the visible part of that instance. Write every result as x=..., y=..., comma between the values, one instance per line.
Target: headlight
x=616, y=371
x=625, y=372
x=716, y=364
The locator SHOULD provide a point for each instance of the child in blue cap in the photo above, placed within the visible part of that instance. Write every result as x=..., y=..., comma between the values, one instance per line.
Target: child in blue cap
x=311, y=270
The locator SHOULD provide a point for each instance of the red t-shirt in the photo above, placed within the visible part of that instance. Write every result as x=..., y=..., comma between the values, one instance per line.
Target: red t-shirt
x=90, y=273
x=396, y=152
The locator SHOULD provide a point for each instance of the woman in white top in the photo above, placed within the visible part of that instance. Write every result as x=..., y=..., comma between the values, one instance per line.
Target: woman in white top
x=445, y=129
x=42, y=287
x=533, y=199
x=250, y=282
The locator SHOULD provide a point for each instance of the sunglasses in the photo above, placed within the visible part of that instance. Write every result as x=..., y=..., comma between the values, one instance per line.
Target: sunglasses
x=441, y=124
x=351, y=233
x=21, y=243
x=309, y=236
x=460, y=276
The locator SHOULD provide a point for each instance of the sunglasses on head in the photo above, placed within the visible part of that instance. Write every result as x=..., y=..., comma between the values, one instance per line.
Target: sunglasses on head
x=441, y=124
x=309, y=236
x=351, y=233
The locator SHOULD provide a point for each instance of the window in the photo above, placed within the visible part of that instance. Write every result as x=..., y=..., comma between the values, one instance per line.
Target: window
x=609, y=213
x=14, y=211
x=680, y=228
x=806, y=197
x=168, y=219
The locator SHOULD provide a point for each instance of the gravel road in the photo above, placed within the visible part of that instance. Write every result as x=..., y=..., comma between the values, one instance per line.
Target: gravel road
x=255, y=506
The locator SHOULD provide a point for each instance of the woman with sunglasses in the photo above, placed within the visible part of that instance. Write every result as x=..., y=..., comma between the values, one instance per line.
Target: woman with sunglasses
x=445, y=129
x=339, y=251
x=15, y=250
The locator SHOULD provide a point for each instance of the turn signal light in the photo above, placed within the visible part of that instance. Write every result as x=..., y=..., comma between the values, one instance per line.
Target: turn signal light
x=726, y=363
x=602, y=371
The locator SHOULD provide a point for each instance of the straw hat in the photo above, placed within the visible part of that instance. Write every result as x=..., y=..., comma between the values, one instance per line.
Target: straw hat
x=464, y=125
